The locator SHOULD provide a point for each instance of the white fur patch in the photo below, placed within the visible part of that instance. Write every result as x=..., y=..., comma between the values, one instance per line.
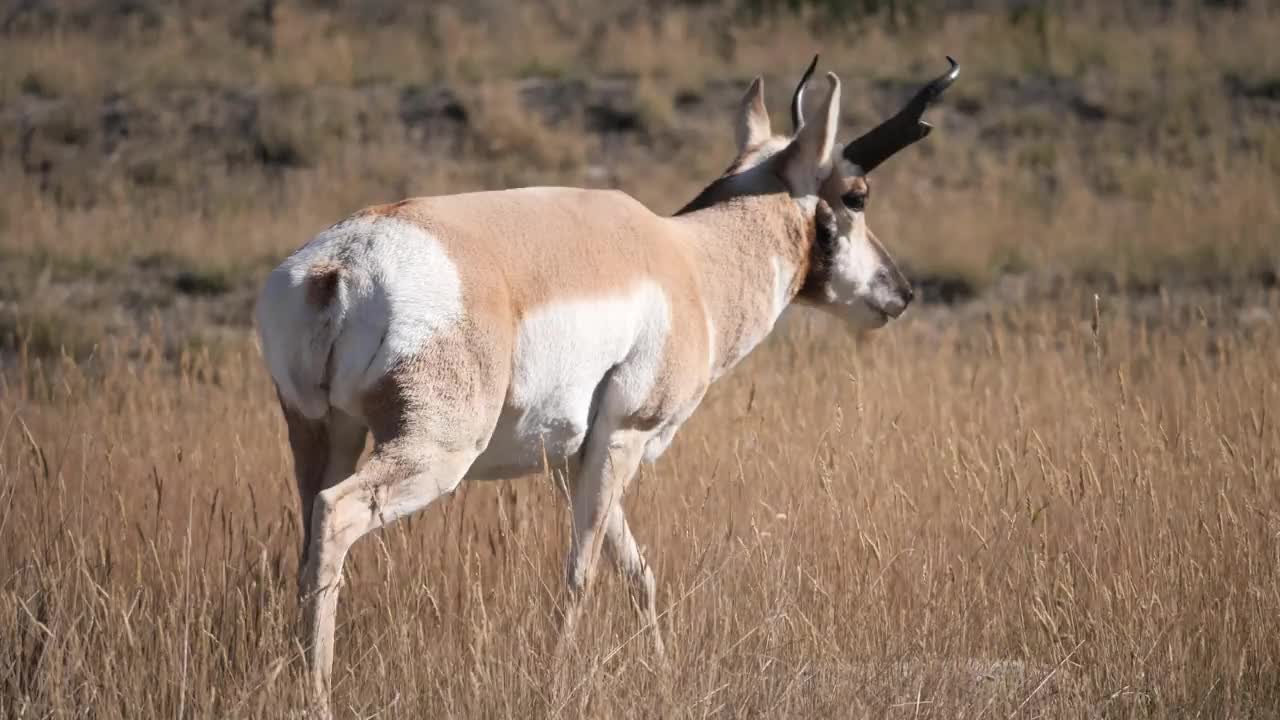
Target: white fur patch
x=404, y=290
x=854, y=266
x=565, y=351
x=397, y=288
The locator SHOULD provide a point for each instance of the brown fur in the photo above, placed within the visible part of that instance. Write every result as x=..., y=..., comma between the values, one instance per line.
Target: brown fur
x=322, y=284
x=309, y=440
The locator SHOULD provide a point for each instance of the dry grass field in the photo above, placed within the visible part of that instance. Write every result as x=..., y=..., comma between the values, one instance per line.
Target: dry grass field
x=1050, y=490
x=968, y=520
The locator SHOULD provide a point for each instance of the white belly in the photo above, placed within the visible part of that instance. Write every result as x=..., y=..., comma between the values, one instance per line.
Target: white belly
x=517, y=446
x=566, y=354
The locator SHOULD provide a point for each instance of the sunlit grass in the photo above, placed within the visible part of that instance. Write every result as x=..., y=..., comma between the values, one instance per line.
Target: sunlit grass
x=957, y=519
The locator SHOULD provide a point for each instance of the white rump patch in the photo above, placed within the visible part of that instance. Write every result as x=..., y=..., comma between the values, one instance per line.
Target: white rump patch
x=404, y=290
x=397, y=287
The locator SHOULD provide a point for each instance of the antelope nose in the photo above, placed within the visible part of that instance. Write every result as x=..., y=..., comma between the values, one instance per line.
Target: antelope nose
x=899, y=304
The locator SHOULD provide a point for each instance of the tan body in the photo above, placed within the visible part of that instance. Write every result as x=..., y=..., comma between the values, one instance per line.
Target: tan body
x=483, y=335
x=566, y=245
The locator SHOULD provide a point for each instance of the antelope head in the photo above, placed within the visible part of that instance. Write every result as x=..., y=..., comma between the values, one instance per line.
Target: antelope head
x=851, y=273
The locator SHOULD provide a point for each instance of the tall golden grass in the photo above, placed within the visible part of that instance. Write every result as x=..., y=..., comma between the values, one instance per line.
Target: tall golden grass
x=1013, y=516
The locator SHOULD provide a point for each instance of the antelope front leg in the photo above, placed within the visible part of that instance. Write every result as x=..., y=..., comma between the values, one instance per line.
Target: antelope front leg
x=630, y=562
x=610, y=461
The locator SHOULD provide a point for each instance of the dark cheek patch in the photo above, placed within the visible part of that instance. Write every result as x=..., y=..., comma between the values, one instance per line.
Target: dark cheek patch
x=825, y=225
x=818, y=278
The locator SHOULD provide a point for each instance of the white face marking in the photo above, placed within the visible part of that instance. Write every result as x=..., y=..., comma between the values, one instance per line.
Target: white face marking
x=397, y=289
x=859, y=289
x=854, y=263
x=564, y=351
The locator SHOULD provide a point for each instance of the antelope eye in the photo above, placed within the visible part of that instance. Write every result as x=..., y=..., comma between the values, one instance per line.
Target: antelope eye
x=856, y=202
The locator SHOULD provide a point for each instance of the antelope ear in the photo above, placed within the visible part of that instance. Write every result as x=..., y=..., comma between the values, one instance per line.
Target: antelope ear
x=753, y=119
x=808, y=160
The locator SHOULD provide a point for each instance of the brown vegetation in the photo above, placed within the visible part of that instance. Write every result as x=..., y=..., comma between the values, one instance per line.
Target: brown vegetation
x=1031, y=503
x=953, y=521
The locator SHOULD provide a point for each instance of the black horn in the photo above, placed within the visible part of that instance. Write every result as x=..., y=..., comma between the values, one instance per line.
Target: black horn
x=797, y=99
x=902, y=129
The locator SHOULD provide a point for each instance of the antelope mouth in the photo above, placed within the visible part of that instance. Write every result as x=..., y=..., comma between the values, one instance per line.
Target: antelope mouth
x=879, y=316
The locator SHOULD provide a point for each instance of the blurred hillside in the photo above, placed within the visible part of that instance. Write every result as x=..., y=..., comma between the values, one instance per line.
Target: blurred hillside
x=157, y=157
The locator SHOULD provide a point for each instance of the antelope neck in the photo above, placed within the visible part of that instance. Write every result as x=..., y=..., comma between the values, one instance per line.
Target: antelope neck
x=750, y=255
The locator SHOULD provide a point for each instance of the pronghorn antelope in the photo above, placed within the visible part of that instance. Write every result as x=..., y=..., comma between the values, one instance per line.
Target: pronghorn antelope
x=478, y=335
